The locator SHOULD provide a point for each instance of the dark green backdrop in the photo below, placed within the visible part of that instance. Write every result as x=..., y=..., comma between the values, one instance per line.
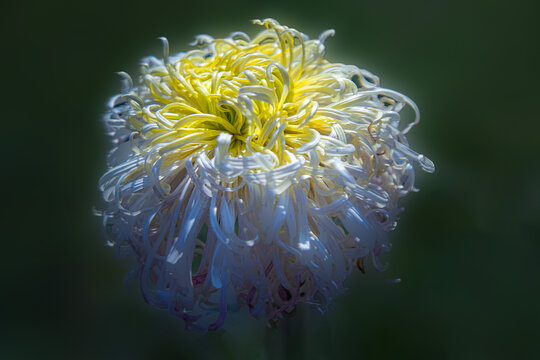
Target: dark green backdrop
x=467, y=247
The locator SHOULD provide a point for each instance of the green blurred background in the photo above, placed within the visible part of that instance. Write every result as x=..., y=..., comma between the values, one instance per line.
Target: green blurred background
x=467, y=247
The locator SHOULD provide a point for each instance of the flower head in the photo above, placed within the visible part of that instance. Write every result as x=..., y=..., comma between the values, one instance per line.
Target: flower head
x=253, y=172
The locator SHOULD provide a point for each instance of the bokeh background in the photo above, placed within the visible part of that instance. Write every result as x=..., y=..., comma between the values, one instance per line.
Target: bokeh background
x=467, y=247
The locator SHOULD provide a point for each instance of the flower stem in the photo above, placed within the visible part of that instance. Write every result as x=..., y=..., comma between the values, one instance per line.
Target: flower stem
x=286, y=340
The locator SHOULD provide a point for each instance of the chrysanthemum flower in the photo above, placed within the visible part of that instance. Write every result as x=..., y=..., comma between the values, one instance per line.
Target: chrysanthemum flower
x=253, y=172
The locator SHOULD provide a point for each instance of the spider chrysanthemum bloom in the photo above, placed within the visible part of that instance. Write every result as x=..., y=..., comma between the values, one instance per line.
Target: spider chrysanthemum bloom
x=253, y=172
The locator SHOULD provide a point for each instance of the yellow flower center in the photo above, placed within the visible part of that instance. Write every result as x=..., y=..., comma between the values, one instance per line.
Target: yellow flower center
x=261, y=91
